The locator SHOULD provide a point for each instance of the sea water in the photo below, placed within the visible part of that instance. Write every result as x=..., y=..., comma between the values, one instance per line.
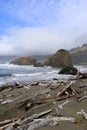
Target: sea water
x=10, y=73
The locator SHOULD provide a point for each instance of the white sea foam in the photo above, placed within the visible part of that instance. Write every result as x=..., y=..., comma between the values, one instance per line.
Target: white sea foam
x=31, y=73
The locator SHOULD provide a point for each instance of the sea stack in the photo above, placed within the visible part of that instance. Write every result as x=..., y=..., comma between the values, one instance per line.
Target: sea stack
x=61, y=58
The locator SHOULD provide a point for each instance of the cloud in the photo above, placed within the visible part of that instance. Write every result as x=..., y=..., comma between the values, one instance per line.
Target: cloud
x=43, y=26
x=28, y=41
x=32, y=40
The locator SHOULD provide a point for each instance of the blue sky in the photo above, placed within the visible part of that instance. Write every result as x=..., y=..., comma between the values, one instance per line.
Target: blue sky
x=41, y=26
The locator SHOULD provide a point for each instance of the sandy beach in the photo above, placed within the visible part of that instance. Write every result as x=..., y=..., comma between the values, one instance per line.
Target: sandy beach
x=13, y=102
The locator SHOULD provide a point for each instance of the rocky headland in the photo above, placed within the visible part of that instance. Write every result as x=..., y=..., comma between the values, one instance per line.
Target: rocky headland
x=24, y=61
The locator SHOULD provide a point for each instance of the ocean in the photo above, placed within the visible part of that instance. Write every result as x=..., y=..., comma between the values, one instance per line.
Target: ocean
x=10, y=73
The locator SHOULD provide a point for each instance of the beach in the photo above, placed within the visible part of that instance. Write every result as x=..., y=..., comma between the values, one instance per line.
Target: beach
x=43, y=95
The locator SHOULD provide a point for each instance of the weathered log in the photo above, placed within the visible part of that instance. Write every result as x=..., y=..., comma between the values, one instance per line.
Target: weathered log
x=48, y=121
x=29, y=119
x=49, y=99
x=8, y=121
x=10, y=127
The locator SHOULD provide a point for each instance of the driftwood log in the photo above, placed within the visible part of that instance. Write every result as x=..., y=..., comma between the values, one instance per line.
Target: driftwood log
x=35, y=116
x=8, y=121
x=48, y=121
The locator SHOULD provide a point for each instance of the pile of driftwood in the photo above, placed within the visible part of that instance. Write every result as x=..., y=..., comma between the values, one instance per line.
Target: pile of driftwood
x=35, y=121
x=37, y=98
x=66, y=93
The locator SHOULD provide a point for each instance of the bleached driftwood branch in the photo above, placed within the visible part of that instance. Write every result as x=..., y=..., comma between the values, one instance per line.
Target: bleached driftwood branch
x=66, y=88
x=83, y=97
x=8, y=121
x=28, y=119
x=48, y=121
x=84, y=114
x=61, y=105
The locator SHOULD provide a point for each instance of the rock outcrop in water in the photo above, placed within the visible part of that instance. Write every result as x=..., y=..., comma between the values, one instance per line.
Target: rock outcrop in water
x=25, y=61
x=68, y=70
x=61, y=58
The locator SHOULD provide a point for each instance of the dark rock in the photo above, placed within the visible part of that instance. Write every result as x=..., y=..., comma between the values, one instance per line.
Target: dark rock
x=24, y=61
x=38, y=64
x=61, y=58
x=68, y=70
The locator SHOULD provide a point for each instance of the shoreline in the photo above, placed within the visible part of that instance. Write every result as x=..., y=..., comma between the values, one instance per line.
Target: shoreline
x=38, y=93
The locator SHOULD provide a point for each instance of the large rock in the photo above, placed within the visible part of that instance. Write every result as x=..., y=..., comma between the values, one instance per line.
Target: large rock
x=68, y=70
x=25, y=61
x=61, y=58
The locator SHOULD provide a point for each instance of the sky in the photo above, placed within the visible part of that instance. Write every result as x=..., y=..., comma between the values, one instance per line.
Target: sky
x=30, y=27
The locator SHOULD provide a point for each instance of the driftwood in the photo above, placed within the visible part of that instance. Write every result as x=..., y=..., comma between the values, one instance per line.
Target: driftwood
x=48, y=121
x=61, y=105
x=35, y=123
x=83, y=85
x=9, y=126
x=9, y=100
x=83, y=97
x=8, y=121
x=84, y=114
x=18, y=122
x=67, y=90
x=34, y=100
x=29, y=119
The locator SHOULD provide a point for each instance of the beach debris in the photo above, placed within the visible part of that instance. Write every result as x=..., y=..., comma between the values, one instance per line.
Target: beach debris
x=84, y=114
x=67, y=90
x=28, y=106
x=35, y=116
x=83, y=85
x=9, y=100
x=83, y=97
x=1, y=100
x=9, y=126
x=34, y=122
x=26, y=87
x=44, y=84
x=45, y=96
x=48, y=121
x=61, y=105
x=54, y=86
x=35, y=83
x=8, y=121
